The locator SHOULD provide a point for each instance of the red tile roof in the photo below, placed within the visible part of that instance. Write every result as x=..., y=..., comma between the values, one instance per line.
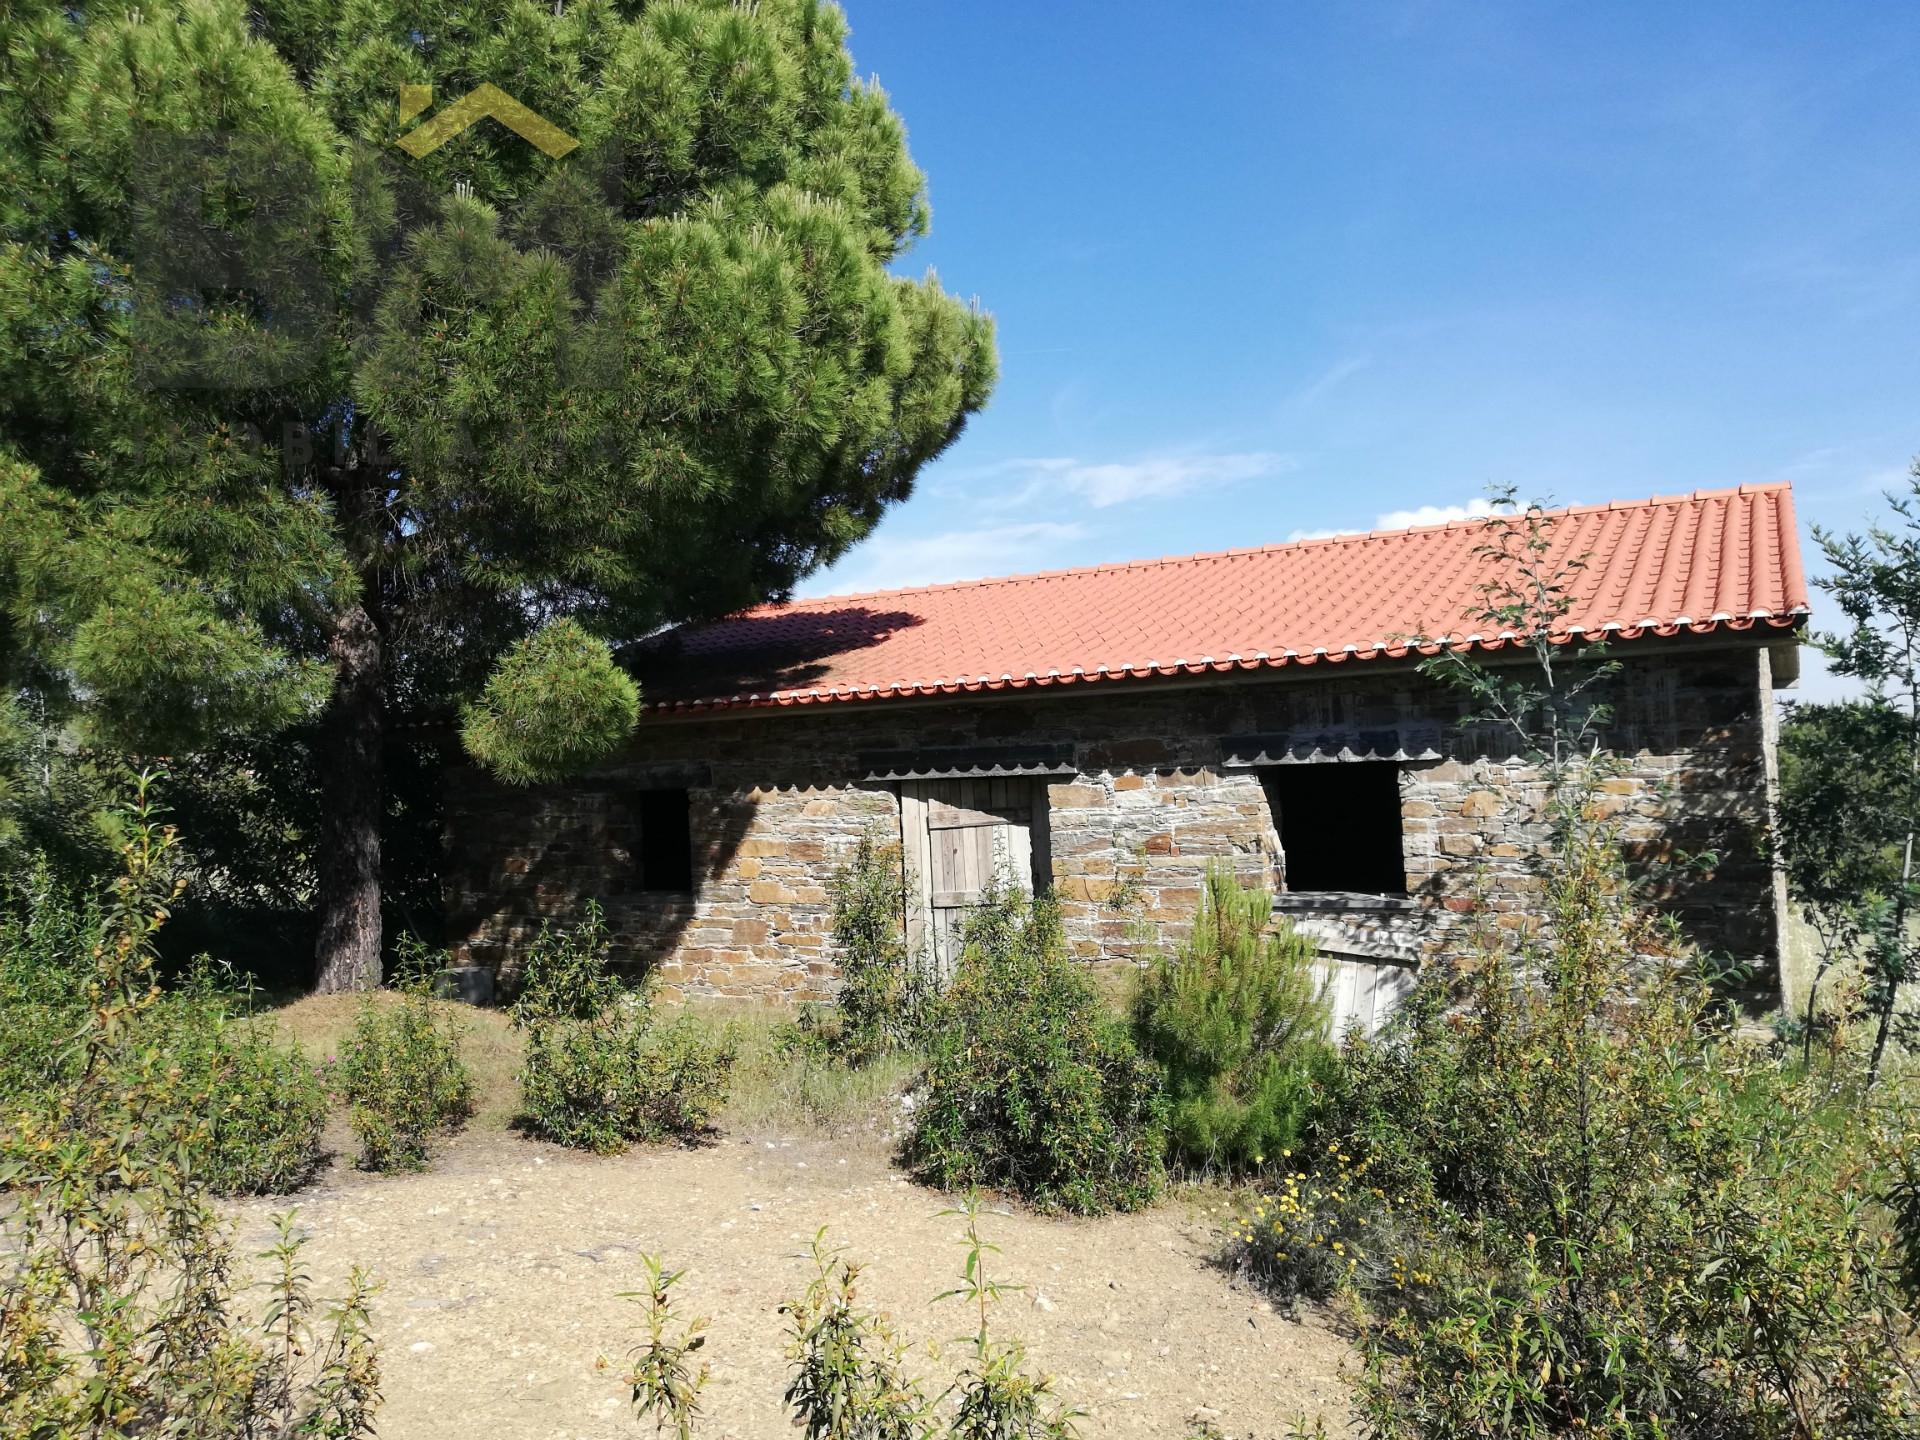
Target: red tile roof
x=1713, y=560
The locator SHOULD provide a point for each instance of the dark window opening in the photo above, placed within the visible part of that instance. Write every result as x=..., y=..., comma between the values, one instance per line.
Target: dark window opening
x=1339, y=826
x=665, y=851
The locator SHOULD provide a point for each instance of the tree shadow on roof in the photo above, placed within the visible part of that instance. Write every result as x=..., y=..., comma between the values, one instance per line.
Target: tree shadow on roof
x=758, y=652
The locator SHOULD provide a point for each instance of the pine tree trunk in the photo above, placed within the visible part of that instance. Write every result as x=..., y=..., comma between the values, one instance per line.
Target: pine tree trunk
x=352, y=787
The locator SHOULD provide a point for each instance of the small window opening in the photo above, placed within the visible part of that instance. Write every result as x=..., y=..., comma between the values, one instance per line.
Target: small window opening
x=1339, y=826
x=666, y=840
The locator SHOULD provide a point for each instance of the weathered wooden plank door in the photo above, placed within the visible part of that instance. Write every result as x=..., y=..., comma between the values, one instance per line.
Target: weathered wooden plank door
x=1364, y=992
x=957, y=837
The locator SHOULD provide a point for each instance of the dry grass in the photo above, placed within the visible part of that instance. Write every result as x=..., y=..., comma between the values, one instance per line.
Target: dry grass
x=773, y=1091
x=1115, y=981
x=777, y=1091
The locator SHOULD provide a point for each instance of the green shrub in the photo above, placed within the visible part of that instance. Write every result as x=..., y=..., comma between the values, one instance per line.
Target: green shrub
x=600, y=1070
x=1896, y=1143
x=1390, y=1096
x=997, y=1397
x=1611, y=1213
x=1239, y=1020
x=262, y=1105
x=1322, y=1228
x=849, y=1381
x=47, y=939
x=1031, y=1085
x=886, y=992
x=624, y=1077
x=1666, y=1232
x=121, y=1310
x=401, y=1073
x=666, y=1387
x=565, y=975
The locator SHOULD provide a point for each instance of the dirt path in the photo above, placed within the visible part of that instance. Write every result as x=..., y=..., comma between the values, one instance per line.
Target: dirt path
x=502, y=1268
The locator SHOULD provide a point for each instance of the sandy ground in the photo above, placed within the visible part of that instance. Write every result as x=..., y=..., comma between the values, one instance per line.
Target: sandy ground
x=502, y=1269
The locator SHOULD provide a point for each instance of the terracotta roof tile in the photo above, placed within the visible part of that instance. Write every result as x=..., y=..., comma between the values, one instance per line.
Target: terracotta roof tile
x=1719, y=559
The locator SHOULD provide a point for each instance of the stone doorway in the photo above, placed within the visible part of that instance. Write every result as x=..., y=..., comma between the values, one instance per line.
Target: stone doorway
x=957, y=838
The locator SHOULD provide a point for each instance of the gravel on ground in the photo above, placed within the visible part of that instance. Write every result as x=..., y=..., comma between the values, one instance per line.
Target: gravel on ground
x=502, y=1270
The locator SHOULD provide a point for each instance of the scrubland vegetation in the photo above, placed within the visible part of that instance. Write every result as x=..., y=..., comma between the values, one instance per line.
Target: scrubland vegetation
x=120, y=1310
x=602, y=1068
x=1563, y=1191
x=402, y=1076
x=847, y=1376
x=305, y=461
x=1569, y=1189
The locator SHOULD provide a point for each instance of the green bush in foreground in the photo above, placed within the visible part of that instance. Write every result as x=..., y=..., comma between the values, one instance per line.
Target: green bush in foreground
x=1566, y=1195
x=1239, y=1020
x=1031, y=1085
x=400, y=1070
x=624, y=1077
x=1575, y=1203
x=601, y=1070
x=121, y=1312
x=47, y=939
x=849, y=1380
x=260, y=1106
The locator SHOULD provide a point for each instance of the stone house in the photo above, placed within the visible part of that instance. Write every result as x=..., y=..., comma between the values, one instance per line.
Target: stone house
x=1111, y=732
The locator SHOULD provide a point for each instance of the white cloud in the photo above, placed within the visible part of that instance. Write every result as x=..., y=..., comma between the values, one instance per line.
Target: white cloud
x=1476, y=509
x=886, y=563
x=1892, y=478
x=1103, y=484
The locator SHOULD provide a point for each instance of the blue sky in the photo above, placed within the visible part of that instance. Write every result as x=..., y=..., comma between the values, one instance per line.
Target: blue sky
x=1266, y=269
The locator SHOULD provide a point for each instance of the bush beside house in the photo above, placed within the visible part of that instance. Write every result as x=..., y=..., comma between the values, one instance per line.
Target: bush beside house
x=1238, y=1019
x=402, y=1077
x=602, y=1069
x=1032, y=1085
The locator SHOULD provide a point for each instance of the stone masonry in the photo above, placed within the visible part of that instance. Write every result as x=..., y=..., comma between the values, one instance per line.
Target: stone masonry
x=1161, y=780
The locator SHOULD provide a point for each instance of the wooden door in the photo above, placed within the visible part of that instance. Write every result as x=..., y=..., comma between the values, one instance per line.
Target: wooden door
x=1365, y=992
x=958, y=837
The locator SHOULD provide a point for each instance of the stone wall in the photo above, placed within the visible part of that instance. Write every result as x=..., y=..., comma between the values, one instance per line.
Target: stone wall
x=1156, y=790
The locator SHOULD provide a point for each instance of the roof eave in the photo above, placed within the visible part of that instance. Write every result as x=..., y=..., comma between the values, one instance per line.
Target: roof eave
x=1765, y=620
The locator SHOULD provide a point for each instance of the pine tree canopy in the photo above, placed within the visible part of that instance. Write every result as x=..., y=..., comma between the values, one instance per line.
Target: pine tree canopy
x=293, y=423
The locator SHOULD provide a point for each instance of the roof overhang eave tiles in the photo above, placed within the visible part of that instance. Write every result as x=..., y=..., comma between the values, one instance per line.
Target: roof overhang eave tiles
x=1720, y=621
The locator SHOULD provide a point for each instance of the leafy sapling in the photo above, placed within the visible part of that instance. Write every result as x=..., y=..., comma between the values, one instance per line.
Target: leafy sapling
x=998, y=1398
x=848, y=1379
x=1875, y=580
x=1553, y=710
x=666, y=1386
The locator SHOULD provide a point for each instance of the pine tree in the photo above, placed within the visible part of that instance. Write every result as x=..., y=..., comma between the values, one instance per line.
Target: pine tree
x=295, y=424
